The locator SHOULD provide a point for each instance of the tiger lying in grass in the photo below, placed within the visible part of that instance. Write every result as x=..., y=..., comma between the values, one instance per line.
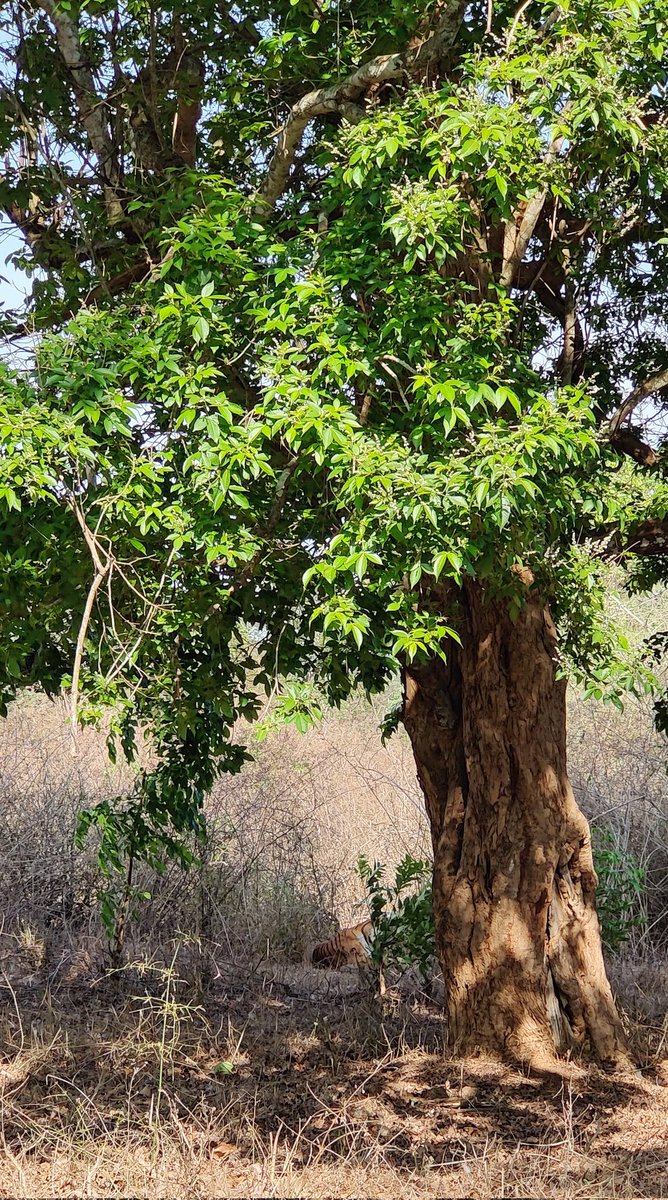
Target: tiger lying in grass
x=349, y=947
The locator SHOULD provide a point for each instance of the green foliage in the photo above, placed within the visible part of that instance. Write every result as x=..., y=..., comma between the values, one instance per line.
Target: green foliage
x=401, y=912
x=225, y=1067
x=296, y=705
x=619, y=894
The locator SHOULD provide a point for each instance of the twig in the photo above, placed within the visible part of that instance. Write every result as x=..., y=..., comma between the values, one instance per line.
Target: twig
x=518, y=17
x=154, y=606
x=247, y=573
x=89, y=103
x=382, y=363
x=83, y=630
x=139, y=594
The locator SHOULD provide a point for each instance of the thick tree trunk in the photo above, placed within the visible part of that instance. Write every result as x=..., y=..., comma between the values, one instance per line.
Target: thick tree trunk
x=516, y=926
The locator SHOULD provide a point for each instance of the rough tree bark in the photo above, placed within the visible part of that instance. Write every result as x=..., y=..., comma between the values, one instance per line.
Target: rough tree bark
x=514, y=884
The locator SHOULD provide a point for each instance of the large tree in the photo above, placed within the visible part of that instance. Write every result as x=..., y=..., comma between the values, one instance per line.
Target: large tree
x=347, y=329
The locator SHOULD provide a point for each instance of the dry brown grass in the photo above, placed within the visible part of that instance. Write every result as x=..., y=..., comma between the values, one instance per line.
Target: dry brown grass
x=284, y=836
x=286, y=833
x=295, y=1083
x=116, y=1084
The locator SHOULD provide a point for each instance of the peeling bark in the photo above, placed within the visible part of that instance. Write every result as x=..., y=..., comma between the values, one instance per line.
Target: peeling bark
x=514, y=884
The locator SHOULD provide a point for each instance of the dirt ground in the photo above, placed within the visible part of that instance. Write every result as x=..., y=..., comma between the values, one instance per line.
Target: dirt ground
x=288, y=1081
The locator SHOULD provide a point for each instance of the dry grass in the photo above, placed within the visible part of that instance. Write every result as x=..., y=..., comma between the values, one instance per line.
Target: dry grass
x=296, y=1083
x=216, y=1063
x=284, y=837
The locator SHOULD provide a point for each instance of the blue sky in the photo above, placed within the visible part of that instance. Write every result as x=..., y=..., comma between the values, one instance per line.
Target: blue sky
x=14, y=285
x=14, y=289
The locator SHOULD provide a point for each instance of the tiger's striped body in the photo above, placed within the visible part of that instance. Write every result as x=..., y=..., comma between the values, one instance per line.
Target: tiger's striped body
x=350, y=947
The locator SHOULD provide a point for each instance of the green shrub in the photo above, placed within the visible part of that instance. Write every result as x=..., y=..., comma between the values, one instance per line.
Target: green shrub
x=401, y=913
x=620, y=888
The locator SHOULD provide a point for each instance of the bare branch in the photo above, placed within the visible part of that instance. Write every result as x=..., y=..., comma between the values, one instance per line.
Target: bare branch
x=91, y=541
x=154, y=607
x=102, y=568
x=626, y=441
x=119, y=283
x=518, y=17
x=547, y=279
x=520, y=229
x=655, y=383
x=349, y=91
x=78, y=654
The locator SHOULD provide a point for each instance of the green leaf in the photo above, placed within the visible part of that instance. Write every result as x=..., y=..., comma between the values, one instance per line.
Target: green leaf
x=439, y=562
x=200, y=330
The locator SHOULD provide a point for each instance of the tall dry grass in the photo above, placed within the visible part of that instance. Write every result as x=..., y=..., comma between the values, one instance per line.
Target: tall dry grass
x=279, y=867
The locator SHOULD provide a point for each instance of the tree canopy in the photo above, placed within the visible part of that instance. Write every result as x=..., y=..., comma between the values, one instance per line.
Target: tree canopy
x=334, y=307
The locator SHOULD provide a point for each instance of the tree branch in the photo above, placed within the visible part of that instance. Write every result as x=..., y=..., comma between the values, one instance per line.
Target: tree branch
x=91, y=107
x=78, y=654
x=518, y=234
x=188, y=111
x=340, y=96
x=648, y=540
x=102, y=568
x=517, y=18
x=655, y=383
x=627, y=442
x=570, y=336
x=154, y=605
x=115, y=284
x=188, y=82
x=247, y=573
x=547, y=285
x=520, y=229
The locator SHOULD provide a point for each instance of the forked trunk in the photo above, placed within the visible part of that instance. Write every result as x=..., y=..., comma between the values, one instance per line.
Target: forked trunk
x=517, y=933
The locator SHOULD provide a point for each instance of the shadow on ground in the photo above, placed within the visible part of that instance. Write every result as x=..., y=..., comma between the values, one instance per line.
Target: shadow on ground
x=306, y=1067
